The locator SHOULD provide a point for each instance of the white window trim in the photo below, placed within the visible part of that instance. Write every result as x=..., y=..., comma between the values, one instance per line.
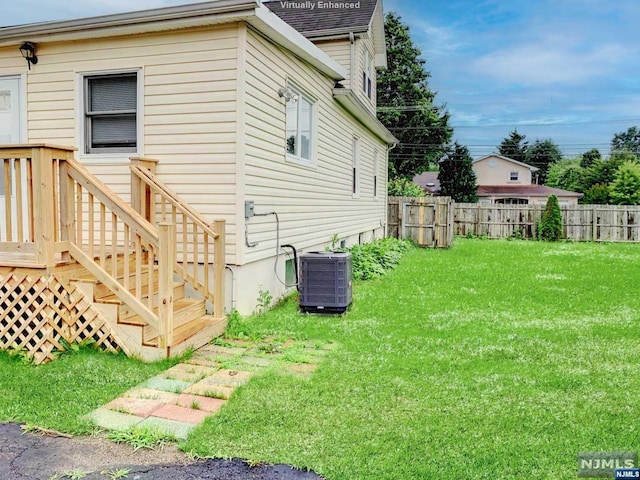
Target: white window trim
x=517, y=174
x=355, y=167
x=367, y=69
x=311, y=162
x=98, y=157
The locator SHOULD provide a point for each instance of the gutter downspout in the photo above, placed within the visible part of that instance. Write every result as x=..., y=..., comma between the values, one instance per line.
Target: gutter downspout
x=352, y=67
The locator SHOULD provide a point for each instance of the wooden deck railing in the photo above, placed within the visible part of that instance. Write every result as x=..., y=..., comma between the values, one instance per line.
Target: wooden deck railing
x=53, y=209
x=201, y=253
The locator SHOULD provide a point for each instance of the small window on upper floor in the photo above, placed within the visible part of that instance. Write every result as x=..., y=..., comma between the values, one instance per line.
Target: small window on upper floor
x=367, y=75
x=301, y=127
x=514, y=176
x=111, y=113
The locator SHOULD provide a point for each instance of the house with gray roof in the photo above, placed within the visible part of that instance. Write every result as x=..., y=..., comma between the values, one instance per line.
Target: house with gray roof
x=257, y=117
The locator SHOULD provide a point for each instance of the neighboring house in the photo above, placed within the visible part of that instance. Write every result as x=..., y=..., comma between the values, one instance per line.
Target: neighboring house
x=429, y=182
x=252, y=117
x=504, y=180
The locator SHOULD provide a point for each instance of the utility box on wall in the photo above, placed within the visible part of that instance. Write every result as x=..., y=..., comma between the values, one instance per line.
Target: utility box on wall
x=325, y=282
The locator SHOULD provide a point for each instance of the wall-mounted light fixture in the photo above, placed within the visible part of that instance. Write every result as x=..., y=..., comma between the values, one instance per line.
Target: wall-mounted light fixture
x=28, y=51
x=288, y=94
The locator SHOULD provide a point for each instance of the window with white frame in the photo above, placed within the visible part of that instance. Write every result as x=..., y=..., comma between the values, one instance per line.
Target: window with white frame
x=375, y=173
x=514, y=176
x=355, y=182
x=300, y=125
x=367, y=75
x=111, y=113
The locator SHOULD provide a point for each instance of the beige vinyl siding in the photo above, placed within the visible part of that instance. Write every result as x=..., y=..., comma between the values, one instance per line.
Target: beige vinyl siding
x=188, y=109
x=340, y=51
x=313, y=203
x=364, y=45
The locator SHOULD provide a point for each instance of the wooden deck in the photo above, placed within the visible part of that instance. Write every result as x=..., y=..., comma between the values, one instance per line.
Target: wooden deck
x=73, y=253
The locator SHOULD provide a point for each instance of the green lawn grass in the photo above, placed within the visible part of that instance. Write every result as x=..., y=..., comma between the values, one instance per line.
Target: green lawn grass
x=494, y=360
x=58, y=394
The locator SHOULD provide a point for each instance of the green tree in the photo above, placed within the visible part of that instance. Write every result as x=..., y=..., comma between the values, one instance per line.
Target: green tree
x=588, y=158
x=403, y=187
x=514, y=146
x=625, y=188
x=406, y=105
x=550, y=228
x=541, y=154
x=628, y=141
x=597, y=194
x=603, y=171
x=456, y=175
x=566, y=174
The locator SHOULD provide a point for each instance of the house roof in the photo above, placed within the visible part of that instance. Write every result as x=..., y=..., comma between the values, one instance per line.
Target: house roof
x=513, y=191
x=350, y=101
x=171, y=18
x=312, y=20
x=494, y=155
x=429, y=182
x=324, y=20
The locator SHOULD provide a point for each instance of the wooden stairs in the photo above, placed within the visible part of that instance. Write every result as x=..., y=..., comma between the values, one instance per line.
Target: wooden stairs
x=87, y=265
x=193, y=327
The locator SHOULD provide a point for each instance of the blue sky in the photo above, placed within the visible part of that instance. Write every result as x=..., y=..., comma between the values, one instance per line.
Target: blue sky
x=567, y=70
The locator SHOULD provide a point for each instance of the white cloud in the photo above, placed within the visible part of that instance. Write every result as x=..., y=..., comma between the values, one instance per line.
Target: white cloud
x=551, y=62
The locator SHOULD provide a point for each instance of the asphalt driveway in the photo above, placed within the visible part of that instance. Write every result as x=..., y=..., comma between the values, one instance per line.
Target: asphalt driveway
x=25, y=456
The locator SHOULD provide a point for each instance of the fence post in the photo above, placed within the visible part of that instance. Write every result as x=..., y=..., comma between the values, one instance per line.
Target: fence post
x=166, y=261
x=44, y=205
x=141, y=199
x=67, y=207
x=218, y=269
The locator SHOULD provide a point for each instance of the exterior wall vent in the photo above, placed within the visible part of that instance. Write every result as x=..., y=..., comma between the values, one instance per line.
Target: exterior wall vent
x=325, y=282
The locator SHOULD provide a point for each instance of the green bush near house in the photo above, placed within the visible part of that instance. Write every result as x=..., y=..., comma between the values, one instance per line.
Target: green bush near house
x=372, y=260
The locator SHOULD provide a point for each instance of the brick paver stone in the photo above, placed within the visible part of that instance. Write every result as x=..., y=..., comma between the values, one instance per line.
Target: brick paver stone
x=180, y=414
x=211, y=405
x=136, y=406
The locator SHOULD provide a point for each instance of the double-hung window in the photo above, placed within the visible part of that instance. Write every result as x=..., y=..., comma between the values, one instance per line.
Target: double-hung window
x=514, y=176
x=300, y=125
x=367, y=75
x=110, y=113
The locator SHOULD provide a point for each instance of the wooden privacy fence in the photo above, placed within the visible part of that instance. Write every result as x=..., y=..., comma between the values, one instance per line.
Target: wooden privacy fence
x=428, y=221
x=595, y=223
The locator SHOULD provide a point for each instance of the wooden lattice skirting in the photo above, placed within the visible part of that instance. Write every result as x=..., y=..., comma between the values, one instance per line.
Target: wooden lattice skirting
x=39, y=314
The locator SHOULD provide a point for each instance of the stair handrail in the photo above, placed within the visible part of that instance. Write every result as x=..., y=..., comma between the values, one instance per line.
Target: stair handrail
x=217, y=234
x=138, y=224
x=173, y=198
x=99, y=190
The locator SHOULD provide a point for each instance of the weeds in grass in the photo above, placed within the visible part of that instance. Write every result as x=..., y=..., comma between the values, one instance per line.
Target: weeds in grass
x=117, y=474
x=214, y=394
x=263, y=302
x=138, y=438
